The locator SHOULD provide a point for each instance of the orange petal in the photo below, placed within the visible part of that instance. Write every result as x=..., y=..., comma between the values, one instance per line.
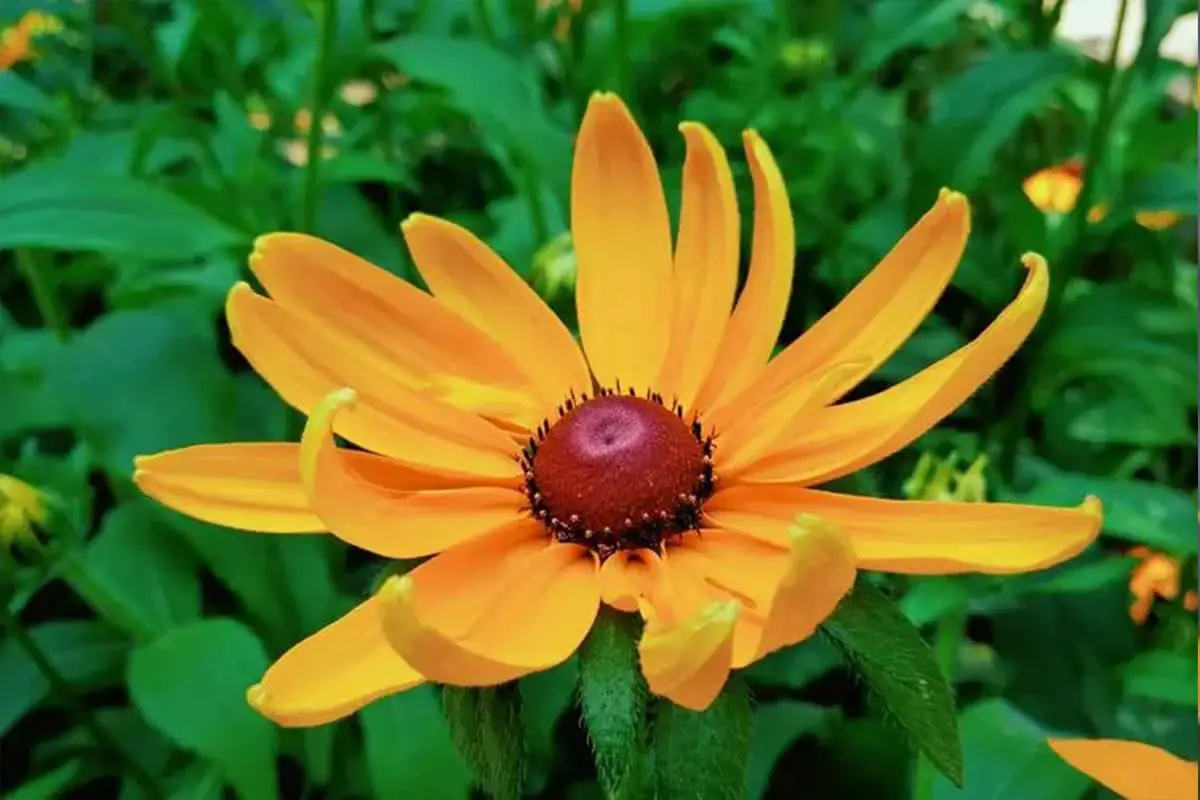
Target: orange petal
x=416, y=335
x=623, y=242
x=850, y=436
x=387, y=520
x=1054, y=190
x=1156, y=220
x=688, y=663
x=754, y=327
x=1134, y=770
x=304, y=363
x=540, y=608
x=706, y=265
x=467, y=277
x=333, y=673
x=255, y=486
x=629, y=576
x=918, y=537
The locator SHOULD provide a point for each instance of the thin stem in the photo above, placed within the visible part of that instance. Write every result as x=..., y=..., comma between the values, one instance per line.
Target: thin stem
x=621, y=47
x=69, y=698
x=325, y=17
x=45, y=295
x=947, y=636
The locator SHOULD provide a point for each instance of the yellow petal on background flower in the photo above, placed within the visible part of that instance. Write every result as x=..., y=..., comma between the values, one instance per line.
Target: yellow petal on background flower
x=918, y=537
x=389, y=521
x=1055, y=190
x=1156, y=220
x=1134, y=770
x=851, y=436
x=537, y=619
x=753, y=431
x=689, y=662
x=628, y=576
x=417, y=335
x=706, y=265
x=333, y=673
x=757, y=318
x=304, y=363
x=466, y=276
x=884, y=309
x=622, y=238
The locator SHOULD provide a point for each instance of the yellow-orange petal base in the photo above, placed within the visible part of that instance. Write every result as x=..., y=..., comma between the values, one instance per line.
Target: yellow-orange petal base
x=666, y=468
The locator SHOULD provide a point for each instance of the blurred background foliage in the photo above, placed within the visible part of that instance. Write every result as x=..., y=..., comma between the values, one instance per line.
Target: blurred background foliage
x=144, y=144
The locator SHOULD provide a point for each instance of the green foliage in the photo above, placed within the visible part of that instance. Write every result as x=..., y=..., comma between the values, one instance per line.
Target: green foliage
x=148, y=143
x=900, y=671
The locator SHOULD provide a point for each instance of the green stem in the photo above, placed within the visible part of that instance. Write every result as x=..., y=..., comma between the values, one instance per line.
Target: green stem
x=326, y=22
x=1066, y=249
x=45, y=295
x=947, y=636
x=69, y=698
x=621, y=47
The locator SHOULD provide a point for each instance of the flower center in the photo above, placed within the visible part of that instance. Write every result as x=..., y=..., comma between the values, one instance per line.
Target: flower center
x=618, y=471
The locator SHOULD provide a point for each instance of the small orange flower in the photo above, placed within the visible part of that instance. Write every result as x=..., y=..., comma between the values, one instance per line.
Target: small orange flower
x=16, y=43
x=1133, y=770
x=667, y=468
x=1055, y=190
x=1156, y=576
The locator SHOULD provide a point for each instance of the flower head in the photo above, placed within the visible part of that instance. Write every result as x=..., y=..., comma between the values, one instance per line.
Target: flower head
x=1055, y=190
x=1155, y=577
x=667, y=468
x=1133, y=770
x=23, y=509
x=16, y=42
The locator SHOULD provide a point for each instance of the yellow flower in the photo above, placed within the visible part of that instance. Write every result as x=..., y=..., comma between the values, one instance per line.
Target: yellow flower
x=1133, y=770
x=669, y=472
x=22, y=509
x=16, y=43
x=1055, y=190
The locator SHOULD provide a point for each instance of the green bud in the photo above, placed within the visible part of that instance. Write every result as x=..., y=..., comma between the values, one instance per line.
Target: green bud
x=554, y=269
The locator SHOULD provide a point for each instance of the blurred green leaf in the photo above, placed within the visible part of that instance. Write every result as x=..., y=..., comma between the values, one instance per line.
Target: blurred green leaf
x=774, y=726
x=87, y=654
x=1160, y=675
x=20, y=94
x=191, y=684
x=1171, y=188
x=54, y=783
x=64, y=208
x=703, y=753
x=900, y=670
x=1007, y=758
x=136, y=575
x=545, y=697
x=974, y=114
x=1136, y=511
x=408, y=748
x=893, y=25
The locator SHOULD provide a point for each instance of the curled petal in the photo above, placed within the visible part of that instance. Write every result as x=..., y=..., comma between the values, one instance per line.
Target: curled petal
x=848, y=437
x=1133, y=770
x=706, y=265
x=689, y=662
x=385, y=520
x=533, y=613
x=919, y=537
x=333, y=673
x=757, y=319
x=622, y=238
x=631, y=576
x=466, y=276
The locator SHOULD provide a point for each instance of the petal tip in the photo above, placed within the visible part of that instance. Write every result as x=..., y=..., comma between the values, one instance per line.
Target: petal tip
x=1092, y=506
x=1034, y=261
x=396, y=589
x=954, y=200
x=258, y=697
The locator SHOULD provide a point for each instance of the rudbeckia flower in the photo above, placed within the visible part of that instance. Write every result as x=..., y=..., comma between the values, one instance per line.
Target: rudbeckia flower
x=1055, y=190
x=670, y=472
x=1156, y=576
x=1134, y=770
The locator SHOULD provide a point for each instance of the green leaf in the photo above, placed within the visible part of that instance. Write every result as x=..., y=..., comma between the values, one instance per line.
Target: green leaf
x=545, y=697
x=1007, y=758
x=54, y=783
x=796, y=666
x=86, y=654
x=896, y=24
x=703, y=753
x=977, y=112
x=1163, y=676
x=191, y=685
x=408, y=749
x=612, y=699
x=53, y=206
x=135, y=574
x=485, y=725
x=18, y=93
x=774, y=727
x=1172, y=188
x=900, y=670
x=1137, y=511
